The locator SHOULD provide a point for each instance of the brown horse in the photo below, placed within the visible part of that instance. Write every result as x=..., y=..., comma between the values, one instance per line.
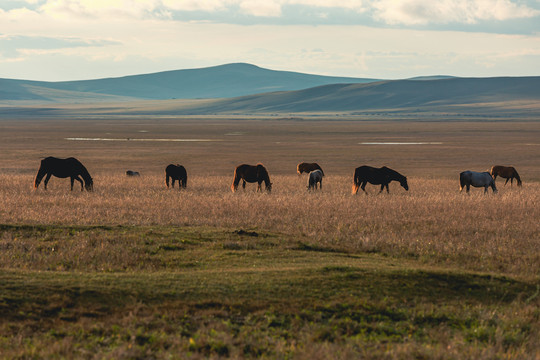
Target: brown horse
x=64, y=168
x=507, y=172
x=251, y=173
x=176, y=172
x=307, y=168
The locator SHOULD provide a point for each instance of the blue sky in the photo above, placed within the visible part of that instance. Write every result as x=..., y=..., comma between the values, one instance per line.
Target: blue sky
x=59, y=40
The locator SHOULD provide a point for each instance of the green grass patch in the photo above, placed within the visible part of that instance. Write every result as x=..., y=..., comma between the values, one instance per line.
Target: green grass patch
x=167, y=292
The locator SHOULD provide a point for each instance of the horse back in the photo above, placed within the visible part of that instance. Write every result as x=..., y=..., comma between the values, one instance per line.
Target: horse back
x=176, y=171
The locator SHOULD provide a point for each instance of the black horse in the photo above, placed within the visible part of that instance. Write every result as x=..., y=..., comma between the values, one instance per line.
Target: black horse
x=376, y=176
x=176, y=172
x=64, y=168
x=251, y=173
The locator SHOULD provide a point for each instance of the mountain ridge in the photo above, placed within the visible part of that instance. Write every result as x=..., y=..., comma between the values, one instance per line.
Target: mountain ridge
x=497, y=96
x=228, y=80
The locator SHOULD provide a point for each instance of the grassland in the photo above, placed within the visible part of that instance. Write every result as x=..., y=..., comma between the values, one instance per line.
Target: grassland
x=135, y=270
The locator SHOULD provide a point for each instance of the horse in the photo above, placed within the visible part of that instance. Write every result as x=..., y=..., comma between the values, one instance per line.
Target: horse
x=507, y=172
x=476, y=179
x=176, y=172
x=64, y=168
x=251, y=173
x=315, y=177
x=376, y=176
x=132, y=173
x=307, y=168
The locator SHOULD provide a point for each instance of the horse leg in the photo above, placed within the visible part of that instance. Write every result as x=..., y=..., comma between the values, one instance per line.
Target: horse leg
x=468, y=188
x=506, y=182
x=244, y=184
x=320, y=185
x=167, y=180
x=46, y=180
x=259, y=188
x=363, y=186
x=79, y=180
x=72, y=181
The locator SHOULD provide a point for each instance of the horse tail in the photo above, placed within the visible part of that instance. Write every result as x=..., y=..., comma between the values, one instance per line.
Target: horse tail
x=493, y=170
x=517, y=177
x=236, y=180
x=356, y=183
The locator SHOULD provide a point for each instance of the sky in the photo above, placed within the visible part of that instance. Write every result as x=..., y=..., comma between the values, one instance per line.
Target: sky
x=59, y=40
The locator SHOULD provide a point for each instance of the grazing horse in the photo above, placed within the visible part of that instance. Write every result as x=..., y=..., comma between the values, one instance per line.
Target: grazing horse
x=376, y=176
x=315, y=177
x=176, y=172
x=507, y=172
x=251, y=173
x=307, y=168
x=64, y=168
x=476, y=179
x=132, y=173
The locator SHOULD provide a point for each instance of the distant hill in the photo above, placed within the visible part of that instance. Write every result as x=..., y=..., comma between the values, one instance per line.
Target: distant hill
x=223, y=89
x=229, y=80
x=397, y=94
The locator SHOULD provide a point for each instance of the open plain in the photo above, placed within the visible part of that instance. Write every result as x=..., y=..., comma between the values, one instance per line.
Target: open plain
x=136, y=270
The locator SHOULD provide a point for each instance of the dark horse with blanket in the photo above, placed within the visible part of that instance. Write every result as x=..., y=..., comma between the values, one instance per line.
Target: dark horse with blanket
x=376, y=176
x=64, y=168
x=176, y=172
x=251, y=173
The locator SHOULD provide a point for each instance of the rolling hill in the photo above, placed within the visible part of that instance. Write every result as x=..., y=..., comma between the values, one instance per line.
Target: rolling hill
x=229, y=80
x=398, y=94
x=243, y=89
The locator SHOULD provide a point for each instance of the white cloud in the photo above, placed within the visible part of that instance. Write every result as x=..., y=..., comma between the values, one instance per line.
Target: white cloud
x=129, y=37
x=197, y=5
x=402, y=12
x=104, y=9
x=264, y=8
x=420, y=12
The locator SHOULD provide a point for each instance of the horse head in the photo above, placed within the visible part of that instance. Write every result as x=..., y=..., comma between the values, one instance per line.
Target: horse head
x=39, y=176
x=403, y=183
x=89, y=184
x=268, y=186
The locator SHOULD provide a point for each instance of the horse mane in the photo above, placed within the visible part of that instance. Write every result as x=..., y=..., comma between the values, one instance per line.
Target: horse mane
x=262, y=171
x=517, y=177
x=394, y=173
x=86, y=175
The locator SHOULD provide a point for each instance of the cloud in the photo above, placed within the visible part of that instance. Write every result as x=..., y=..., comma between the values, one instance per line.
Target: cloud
x=422, y=12
x=103, y=9
x=402, y=12
x=261, y=8
x=19, y=46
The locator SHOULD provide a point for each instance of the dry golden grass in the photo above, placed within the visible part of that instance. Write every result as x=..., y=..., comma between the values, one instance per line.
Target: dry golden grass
x=432, y=222
x=331, y=275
